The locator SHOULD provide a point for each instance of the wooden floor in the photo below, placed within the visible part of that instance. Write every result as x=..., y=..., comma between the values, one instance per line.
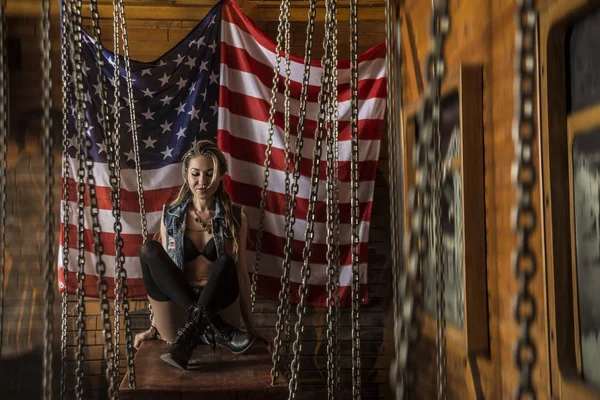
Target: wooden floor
x=210, y=375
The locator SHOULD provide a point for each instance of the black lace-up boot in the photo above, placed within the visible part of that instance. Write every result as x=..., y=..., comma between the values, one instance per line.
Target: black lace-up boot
x=222, y=334
x=188, y=337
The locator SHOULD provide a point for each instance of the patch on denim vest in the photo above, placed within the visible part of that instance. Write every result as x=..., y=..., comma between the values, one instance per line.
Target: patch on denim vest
x=171, y=243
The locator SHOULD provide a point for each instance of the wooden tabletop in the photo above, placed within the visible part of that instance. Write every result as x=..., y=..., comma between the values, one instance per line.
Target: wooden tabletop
x=210, y=375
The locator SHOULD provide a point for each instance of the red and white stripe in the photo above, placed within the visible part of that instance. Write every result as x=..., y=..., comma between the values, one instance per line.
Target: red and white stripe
x=160, y=186
x=247, y=63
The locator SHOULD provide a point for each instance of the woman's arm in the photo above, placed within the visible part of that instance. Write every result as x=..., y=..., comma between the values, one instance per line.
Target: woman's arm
x=243, y=277
x=163, y=233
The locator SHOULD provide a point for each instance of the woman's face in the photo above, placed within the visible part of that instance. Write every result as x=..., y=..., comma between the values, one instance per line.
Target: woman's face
x=201, y=172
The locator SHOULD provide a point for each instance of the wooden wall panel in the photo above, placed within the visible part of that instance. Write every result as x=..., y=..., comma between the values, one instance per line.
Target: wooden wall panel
x=483, y=32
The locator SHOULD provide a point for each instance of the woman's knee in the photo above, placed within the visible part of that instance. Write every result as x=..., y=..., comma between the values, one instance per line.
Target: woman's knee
x=150, y=249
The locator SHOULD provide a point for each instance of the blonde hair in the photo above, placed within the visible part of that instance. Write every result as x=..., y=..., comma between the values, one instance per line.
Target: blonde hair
x=208, y=148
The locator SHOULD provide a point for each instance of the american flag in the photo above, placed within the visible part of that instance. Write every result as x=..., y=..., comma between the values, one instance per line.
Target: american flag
x=216, y=83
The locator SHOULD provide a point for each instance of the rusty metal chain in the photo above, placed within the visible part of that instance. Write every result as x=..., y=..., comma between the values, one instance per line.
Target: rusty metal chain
x=283, y=310
x=354, y=203
x=113, y=161
x=314, y=190
x=435, y=70
x=524, y=177
x=47, y=148
x=420, y=245
x=132, y=116
x=435, y=67
x=120, y=11
x=336, y=213
x=396, y=184
x=3, y=145
x=65, y=32
x=333, y=267
x=288, y=153
x=112, y=368
x=86, y=164
x=75, y=47
x=281, y=36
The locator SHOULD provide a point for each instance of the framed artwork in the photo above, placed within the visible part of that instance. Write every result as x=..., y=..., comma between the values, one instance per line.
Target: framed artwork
x=570, y=153
x=463, y=209
x=584, y=181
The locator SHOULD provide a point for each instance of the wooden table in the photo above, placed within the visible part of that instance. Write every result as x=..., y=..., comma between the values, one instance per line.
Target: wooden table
x=210, y=375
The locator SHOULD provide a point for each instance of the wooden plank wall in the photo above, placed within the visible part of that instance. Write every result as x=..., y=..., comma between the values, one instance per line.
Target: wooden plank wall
x=482, y=32
x=152, y=31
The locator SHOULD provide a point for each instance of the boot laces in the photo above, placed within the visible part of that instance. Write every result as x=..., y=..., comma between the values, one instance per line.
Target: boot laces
x=221, y=328
x=186, y=333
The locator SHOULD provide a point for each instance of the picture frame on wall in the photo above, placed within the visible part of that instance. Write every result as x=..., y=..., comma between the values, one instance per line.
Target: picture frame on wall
x=463, y=210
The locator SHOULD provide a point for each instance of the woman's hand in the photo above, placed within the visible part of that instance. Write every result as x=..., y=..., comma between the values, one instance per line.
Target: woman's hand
x=150, y=334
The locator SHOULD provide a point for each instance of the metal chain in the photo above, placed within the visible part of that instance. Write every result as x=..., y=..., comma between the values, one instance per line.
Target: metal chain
x=354, y=204
x=440, y=20
x=113, y=160
x=333, y=268
x=436, y=70
x=288, y=155
x=524, y=177
x=3, y=145
x=47, y=147
x=420, y=204
x=395, y=133
x=75, y=46
x=283, y=310
x=125, y=288
x=283, y=9
x=103, y=285
x=66, y=10
x=336, y=253
x=336, y=209
x=314, y=190
x=136, y=150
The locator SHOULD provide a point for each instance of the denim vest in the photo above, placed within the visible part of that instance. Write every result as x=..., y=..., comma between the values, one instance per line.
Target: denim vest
x=174, y=220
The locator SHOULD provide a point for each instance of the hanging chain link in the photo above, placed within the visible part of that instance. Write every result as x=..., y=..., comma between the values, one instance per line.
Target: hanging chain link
x=314, y=190
x=283, y=310
x=86, y=163
x=396, y=184
x=281, y=36
x=436, y=69
x=75, y=46
x=111, y=375
x=336, y=211
x=3, y=145
x=123, y=282
x=65, y=32
x=354, y=203
x=136, y=145
x=440, y=23
x=524, y=177
x=113, y=141
x=288, y=153
x=421, y=244
x=332, y=214
x=47, y=148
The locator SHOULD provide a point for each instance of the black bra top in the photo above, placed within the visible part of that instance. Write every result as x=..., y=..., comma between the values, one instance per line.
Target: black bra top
x=191, y=252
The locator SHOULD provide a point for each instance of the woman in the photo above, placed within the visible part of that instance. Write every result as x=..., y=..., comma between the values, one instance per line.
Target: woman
x=206, y=290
